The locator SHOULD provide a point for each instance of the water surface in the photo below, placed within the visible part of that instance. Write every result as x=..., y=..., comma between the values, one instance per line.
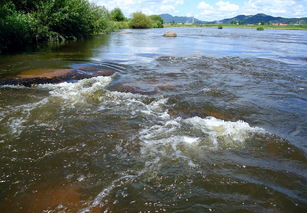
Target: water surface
x=210, y=121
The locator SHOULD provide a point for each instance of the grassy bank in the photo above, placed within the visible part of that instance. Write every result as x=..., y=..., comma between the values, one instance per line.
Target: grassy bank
x=288, y=27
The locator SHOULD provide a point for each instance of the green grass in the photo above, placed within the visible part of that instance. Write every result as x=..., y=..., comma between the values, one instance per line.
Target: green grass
x=288, y=27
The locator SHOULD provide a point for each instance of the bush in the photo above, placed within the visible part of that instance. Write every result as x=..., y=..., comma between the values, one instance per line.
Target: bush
x=140, y=21
x=157, y=21
x=100, y=20
x=24, y=22
x=27, y=22
x=117, y=15
x=16, y=29
x=220, y=27
x=260, y=28
x=122, y=25
x=69, y=18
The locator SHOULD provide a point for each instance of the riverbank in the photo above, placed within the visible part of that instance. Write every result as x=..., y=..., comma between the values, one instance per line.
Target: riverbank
x=31, y=23
x=271, y=27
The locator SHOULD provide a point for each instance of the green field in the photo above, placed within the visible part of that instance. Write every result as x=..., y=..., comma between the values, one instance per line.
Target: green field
x=288, y=27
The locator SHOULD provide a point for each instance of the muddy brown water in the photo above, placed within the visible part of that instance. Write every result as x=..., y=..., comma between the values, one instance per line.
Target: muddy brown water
x=210, y=121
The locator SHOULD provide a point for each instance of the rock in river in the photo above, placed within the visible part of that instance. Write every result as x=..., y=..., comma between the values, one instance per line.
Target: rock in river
x=31, y=78
x=44, y=73
x=135, y=88
x=170, y=33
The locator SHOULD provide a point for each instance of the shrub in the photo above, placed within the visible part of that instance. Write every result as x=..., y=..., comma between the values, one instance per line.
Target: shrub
x=117, y=15
x=122, y=25
x=100, y=20
x=260, y=28
x=73, y=18
x=69, y=18
x=157, y=21
x=16, y=29
x=220, y=27
x=24, y=22
x=140, y=21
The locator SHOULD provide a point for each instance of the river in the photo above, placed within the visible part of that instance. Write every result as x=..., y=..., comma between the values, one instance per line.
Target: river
x=210, y=121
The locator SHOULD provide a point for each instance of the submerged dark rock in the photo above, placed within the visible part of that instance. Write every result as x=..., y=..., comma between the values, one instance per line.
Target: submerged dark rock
x=32, y=78
x=105, y=72
x=186, y=111
x=44, y=73
x=137, y=88
x=31, y=82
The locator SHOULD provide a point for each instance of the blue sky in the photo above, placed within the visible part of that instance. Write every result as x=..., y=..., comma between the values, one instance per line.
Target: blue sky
x=209, y=10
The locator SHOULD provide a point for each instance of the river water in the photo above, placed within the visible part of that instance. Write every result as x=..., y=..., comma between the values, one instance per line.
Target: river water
x=210, y=121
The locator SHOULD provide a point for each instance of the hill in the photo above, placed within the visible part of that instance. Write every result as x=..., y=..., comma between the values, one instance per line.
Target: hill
x=167, y=18
x=240, y=19
x=262, y=18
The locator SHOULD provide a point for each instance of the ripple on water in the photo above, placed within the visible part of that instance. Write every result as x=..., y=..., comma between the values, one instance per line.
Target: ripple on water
x=150, y=152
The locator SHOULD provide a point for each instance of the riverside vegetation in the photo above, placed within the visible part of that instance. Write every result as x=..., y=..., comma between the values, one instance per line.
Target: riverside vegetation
x=26, y=23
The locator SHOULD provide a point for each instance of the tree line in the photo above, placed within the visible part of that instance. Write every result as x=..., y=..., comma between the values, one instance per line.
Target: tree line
x=30, y=22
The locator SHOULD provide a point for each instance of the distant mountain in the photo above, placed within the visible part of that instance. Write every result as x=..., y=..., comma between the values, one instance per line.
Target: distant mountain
x=241, y=19
x=167, y=18
x=262, y=18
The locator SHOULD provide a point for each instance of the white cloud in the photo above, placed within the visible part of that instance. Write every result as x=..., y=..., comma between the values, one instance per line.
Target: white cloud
x=287, y=8
x=176, y=2
x=226, y=9
x=148, y=7
x=204, y=6
x=227, y=6
x=166, y=8
x=210, y=11
x=219, y=10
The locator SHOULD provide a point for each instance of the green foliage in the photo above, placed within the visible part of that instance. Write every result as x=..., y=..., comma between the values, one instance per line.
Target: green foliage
x=71, y=18
x=100, y=20
x=29, y=22
x=24, y=22
x=157, y=21
x=140, y=21
x=28, y=5
x=117, y=15
x=260, y=28
x=16, y=28
x=220, y=27
x=121, y=25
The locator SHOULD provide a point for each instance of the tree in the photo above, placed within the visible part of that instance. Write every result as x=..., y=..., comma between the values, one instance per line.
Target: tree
x=27, y=22
x=29, y=5
x=140, y=21
x=157, y=21
x=117, y=15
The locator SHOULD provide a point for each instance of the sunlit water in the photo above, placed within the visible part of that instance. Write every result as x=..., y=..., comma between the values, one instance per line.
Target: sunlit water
x=216, y=122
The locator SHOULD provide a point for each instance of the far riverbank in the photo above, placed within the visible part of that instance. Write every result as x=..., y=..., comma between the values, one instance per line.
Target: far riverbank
x=271, y=27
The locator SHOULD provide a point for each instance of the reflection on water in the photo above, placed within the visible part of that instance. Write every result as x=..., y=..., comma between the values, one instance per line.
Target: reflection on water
x=210, y=121
x=57, y=56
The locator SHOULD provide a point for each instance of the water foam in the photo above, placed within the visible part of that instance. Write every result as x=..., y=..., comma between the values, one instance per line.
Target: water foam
x=178, y=140
x=164, y=140
x=87, y=93
x=63, y=95
x=218, y=130
x=79, y=92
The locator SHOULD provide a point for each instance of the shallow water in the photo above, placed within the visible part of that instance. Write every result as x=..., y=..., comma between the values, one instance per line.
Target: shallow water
x=210, y=121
